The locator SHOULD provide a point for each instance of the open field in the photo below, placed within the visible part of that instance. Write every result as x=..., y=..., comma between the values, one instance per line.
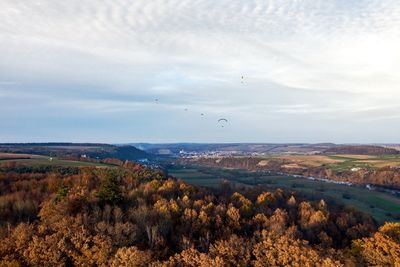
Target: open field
x=27, y=160
x=340, y=161
x=353, y=156
x=362, y=161
x=310, y=160
x=382, y=206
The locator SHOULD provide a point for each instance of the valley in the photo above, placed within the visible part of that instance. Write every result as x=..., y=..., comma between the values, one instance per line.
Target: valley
x=381, y=205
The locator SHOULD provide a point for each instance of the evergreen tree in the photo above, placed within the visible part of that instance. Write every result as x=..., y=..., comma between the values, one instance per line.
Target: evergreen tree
x=110, y=192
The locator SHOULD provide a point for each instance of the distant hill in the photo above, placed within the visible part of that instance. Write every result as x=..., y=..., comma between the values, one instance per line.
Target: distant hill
x=54, y=144
x=362, y=150
x=122, y=153
x=77, y=150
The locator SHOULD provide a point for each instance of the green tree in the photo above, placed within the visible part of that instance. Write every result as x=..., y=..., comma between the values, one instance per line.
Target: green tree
x=110, y=192
x=61, y=192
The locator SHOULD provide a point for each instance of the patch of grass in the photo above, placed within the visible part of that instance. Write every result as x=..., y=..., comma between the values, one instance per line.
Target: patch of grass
x=385, y=204
x=348, y=165
x=347, y=158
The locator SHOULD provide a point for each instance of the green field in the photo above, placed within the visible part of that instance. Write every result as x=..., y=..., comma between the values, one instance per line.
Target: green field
x=382, y=206
x=37, y=160
x=369, y=162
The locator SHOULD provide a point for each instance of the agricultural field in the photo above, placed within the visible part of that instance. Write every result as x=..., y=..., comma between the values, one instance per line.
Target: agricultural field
x=382, y=206
x=341, y=162
x=28, y=160
x=13, y=156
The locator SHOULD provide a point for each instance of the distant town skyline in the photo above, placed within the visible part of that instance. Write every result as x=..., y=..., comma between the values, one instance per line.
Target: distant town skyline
x=166, y=71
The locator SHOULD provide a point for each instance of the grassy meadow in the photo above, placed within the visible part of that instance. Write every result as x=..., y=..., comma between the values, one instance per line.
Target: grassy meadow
x=28, y=160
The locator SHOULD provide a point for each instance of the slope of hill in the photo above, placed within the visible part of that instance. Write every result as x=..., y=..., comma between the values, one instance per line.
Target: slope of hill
x=121, y=152
x=77, y=150
x=362, y=150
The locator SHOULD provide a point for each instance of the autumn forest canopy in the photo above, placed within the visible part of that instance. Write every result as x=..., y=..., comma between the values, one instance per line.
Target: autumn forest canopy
x=131, y=215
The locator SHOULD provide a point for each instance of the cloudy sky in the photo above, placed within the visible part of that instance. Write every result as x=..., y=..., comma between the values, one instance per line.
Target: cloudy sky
x=91, y=71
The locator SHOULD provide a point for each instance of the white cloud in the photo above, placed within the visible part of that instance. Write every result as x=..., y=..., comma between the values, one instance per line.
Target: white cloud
x=320, y=59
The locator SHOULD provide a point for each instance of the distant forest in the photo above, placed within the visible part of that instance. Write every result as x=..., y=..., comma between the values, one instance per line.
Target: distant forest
x=134, y=216
x=363, y=150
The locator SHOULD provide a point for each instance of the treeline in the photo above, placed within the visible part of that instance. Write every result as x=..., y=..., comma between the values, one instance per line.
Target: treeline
x=13, y=167
x=49, y=144
x=133, y=216
x=362, y=150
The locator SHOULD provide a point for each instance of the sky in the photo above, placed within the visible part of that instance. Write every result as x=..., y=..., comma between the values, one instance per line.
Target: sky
x=120, y=71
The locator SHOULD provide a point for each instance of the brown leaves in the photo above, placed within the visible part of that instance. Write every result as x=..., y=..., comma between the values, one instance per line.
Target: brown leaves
x=192, y=258
x=286, y=251
x=383, y=249
x=131, y=257
x=235, y=251
x=169, y=223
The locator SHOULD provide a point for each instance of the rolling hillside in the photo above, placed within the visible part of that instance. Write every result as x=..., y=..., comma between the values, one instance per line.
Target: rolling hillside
x=362, y=150
x=77, y=150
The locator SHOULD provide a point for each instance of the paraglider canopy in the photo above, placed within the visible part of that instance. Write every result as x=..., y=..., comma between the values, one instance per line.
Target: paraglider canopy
x=222, y=122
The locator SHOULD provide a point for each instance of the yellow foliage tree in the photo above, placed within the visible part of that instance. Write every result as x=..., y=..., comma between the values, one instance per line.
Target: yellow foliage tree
x=131, y=257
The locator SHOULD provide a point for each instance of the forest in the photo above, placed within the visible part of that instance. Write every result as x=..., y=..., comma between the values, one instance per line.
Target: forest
x=130, y=215
x=362, y=150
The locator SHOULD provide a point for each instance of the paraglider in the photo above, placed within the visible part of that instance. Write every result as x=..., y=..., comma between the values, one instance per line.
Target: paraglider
x=242, y=79
x=156, y=100
x=222, y=122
